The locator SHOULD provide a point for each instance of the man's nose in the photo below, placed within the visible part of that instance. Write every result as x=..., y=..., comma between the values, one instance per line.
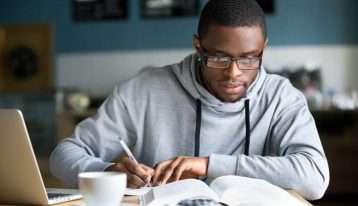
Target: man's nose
x=233, y=70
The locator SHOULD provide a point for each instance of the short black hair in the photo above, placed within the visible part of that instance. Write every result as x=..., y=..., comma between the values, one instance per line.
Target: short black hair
x=232, y=13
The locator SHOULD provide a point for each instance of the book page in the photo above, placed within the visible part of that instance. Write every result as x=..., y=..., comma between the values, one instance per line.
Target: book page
x=172, y=193
x=236, y=190
x=137, y=192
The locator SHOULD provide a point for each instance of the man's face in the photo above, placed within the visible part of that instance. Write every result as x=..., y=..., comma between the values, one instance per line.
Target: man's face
x=230, y=84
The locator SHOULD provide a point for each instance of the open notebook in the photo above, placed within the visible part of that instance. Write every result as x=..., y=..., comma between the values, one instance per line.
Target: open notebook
x=229, y=190
x=20, y=176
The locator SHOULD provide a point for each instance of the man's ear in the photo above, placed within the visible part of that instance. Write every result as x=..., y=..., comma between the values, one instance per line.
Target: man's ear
x=266, y=42
x=196, y=44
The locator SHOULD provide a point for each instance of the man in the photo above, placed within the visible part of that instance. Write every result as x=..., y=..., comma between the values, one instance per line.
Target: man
x=215, y=113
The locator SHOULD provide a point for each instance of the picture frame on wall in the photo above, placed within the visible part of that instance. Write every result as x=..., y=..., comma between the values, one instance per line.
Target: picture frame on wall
x=99, y=10
x=169, y=8
x=27, y=57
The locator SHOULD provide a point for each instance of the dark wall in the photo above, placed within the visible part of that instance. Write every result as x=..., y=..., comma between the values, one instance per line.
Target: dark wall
x=293, y=22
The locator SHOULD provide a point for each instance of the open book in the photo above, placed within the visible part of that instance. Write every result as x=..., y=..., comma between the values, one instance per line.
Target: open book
x=230, y=190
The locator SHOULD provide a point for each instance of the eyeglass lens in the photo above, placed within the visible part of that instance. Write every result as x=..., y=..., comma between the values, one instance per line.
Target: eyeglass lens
x=246, y=65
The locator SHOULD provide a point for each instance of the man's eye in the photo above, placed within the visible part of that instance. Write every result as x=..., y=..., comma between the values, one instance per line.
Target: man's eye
x=219, y=59
x=248, y=60
x=245, y=60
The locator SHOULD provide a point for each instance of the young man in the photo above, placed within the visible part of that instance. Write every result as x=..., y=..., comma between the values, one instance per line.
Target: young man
x=215, y=113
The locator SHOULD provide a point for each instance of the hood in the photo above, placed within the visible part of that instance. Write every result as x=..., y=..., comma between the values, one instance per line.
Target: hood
x=186, y=72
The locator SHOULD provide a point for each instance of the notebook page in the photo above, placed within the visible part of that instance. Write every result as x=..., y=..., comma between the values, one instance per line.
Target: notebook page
x=172, y=193
x=236, y=190
x=137, y=192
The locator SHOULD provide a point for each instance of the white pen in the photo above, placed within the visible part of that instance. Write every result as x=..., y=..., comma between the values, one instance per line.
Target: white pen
x=127, y=150
x=130, y=155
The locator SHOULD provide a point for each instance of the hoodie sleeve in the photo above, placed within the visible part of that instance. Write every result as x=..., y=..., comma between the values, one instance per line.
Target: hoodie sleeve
x=294, y=157
x=94, y=143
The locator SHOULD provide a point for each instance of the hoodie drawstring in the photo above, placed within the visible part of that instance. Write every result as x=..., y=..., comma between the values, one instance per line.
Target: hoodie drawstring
x=198, y=127
x=247, y=124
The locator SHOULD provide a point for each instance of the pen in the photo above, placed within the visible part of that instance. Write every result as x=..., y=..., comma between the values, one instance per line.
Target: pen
x=130, y=155
x=127, y=150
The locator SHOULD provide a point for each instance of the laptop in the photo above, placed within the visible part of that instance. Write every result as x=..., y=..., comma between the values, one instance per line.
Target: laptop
x=20, y=177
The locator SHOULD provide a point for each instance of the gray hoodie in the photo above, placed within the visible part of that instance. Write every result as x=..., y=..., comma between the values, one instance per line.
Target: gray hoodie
x=156, y=111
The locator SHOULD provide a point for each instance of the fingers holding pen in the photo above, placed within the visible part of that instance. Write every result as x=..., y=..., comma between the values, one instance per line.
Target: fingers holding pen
x=150, y=172
x=140, y=174
x=176, y=168
x=142, y=171
x=133, y=181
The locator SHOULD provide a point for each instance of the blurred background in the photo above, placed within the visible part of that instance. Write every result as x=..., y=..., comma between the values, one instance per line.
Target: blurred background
x=60, y=59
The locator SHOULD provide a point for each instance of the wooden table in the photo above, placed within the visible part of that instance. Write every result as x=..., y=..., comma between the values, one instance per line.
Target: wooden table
x=130, y=200
x=134, y=201
x=127, y=200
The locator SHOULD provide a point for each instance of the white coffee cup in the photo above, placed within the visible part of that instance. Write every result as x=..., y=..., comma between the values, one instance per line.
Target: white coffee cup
x=102, y=188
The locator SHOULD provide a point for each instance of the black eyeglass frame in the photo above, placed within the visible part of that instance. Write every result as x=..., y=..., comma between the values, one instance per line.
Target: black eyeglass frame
x=205, y=57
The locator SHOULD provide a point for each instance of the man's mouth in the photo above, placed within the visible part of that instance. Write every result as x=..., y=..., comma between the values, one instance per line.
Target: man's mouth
x=231, y=88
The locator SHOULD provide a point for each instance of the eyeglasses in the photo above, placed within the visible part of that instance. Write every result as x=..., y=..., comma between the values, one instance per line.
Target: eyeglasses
x=223, y=62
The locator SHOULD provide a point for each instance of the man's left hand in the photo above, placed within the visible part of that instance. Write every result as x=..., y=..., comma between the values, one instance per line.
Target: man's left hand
x=179, y=168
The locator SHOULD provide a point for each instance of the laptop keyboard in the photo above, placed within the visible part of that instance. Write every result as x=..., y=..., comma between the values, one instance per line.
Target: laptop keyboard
x=57, y=195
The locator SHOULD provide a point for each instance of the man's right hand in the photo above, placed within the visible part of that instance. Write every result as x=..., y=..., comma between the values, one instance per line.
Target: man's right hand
x=138, y=175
